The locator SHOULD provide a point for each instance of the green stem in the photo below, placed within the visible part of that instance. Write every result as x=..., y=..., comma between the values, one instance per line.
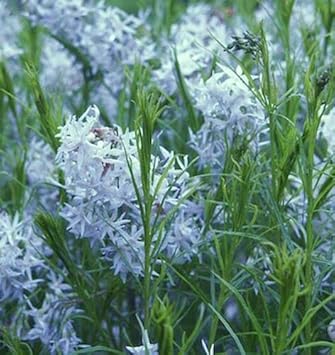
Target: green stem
x=226, y=267
x=314, y=124
x=215, y=322
x=309, y=238
x=147, y=271
x=328, y=26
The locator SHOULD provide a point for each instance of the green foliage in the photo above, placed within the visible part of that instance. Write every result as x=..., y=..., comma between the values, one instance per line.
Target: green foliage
x=193, y=121
x=48, y=116
x=10, y=344
x=162, y=317
x=13, y=192
x=257, y=259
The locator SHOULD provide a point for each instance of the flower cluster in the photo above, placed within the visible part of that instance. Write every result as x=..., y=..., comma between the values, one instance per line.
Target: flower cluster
x=10, y=27
x=195, y=41
x=327, y=130
x=54, y=60
x=40, y=162
x=230, y=111
x=170, y=216
x=52, y=322
x=19, y=257
x=108, y=37
x=146, y=348
x=101, y=167
x=302, y=20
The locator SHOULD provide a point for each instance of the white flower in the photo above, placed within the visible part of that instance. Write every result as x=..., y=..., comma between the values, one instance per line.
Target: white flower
x=126, y=250
x=207, y=351
x=99, y=183
x=184, y=235
x=10, y=28
x=108, y=37
x=331, y=330
x=327, y=129
x=193, y=39
x=40, y=165
x=76, y=130
x=304, y=17
x=230, y=111
x=225, y=100
x=56, y=59
x=146, y=348
x=52, y=323
x=18, y=257
x=103, y=204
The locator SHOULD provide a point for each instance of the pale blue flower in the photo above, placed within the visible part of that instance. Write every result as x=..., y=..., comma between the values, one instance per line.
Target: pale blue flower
x=107, y=36
x=230, y=110
x=103, y=205
x=18, y=257
x=9, y=30
x=327, y=130
x=52, y=323
x=193, y=38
